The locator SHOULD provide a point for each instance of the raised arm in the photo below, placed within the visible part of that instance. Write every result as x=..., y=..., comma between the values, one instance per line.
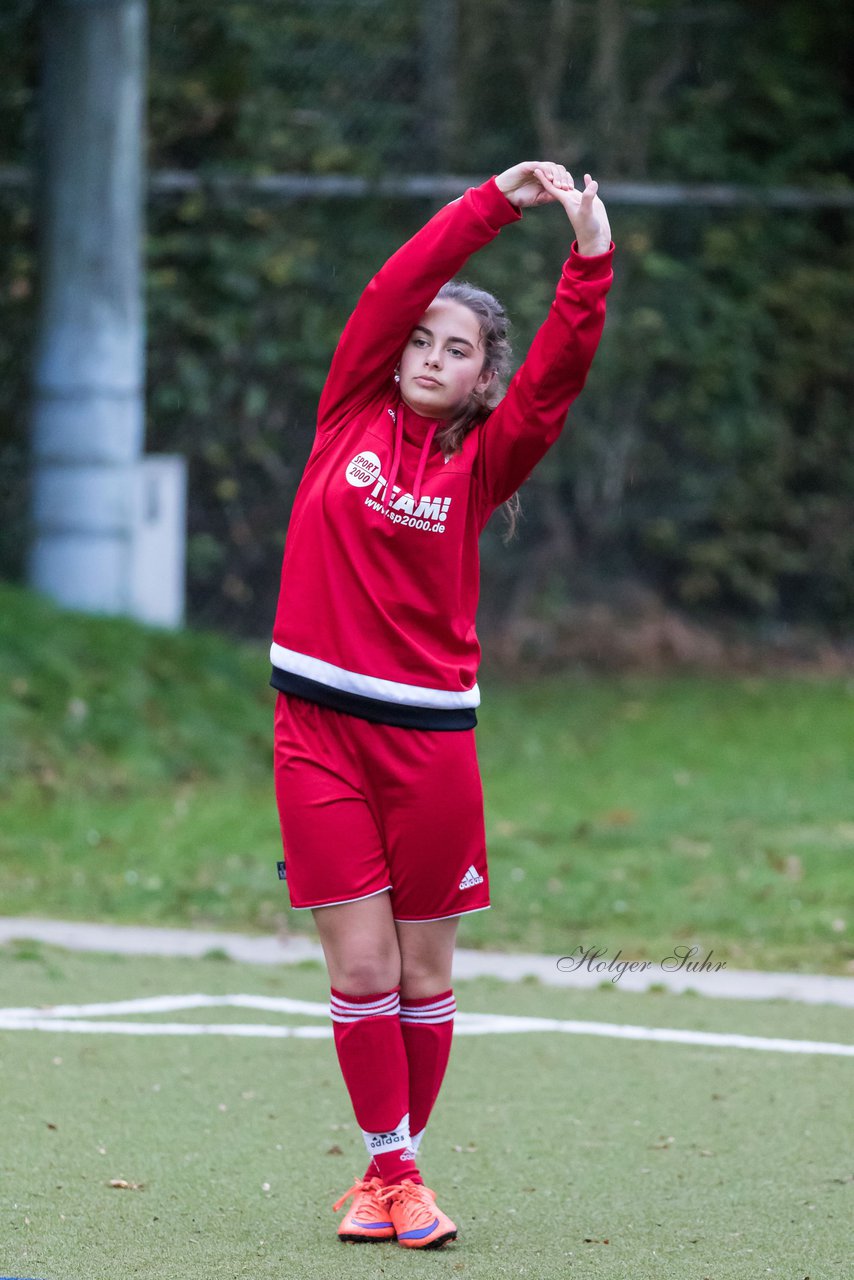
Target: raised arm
x=400, y=293
x=532, y=414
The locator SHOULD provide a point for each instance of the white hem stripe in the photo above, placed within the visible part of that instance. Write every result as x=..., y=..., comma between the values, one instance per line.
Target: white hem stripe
x=406, y=695
x=452, y=916
x=318, y=905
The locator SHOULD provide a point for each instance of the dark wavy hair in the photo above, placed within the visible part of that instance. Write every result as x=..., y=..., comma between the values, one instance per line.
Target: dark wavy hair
x=494, y=327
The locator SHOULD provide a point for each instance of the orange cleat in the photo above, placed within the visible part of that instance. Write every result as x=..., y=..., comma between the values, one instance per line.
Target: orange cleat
x=368, y=1217
x=417, y=1220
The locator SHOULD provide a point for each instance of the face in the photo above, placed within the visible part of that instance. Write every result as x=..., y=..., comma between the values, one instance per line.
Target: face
x=442, y=363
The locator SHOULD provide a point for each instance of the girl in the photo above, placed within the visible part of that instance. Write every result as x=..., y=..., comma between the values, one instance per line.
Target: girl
x=375, y=653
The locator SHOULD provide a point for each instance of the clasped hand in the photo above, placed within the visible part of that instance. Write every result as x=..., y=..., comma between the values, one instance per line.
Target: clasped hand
x=536, y=182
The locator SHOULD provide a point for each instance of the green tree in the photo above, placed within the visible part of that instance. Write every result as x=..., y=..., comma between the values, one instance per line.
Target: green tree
x=709, y=457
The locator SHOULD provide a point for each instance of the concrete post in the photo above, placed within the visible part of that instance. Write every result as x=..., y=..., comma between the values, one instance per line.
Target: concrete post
x=87, y=412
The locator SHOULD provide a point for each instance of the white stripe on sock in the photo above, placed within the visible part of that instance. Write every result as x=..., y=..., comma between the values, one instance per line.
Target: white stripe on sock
x=352, y=1011
x=427, y=1008
x=427, y=1013
x=391, y=998
x=365, y=1011
x=440, y=1011
x=425, y=1022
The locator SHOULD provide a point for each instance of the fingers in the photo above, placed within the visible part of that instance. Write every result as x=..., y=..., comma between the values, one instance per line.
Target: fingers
x=561, y=178
x=547, y=192
x=588, y=195
x=558, y=177
x=556, y=183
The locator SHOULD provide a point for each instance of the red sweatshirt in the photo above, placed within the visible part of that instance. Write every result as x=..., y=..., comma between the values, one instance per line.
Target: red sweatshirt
x=380, y=579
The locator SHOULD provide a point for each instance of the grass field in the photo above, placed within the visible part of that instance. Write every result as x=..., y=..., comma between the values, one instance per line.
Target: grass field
x=632, y=814
x=557, y=1155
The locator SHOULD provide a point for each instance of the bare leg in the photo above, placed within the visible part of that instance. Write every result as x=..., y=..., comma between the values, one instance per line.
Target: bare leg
x=366, y=950
x=363, y=958
x=360, y=944
x=426, y=956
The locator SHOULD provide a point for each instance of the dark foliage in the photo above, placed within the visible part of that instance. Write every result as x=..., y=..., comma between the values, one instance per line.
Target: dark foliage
x=710, y=455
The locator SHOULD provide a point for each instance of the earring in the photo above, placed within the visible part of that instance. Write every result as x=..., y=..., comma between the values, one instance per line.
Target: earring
x=397, y=375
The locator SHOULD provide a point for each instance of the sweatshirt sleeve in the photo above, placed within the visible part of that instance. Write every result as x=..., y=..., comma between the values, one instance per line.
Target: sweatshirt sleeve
x=531, y=416
x=400, y=293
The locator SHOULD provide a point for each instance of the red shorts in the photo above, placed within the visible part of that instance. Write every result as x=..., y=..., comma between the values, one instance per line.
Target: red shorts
x=371, y=808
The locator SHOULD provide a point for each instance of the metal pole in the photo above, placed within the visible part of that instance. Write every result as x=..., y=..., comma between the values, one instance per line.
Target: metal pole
x=282, y=187
x=87, y=410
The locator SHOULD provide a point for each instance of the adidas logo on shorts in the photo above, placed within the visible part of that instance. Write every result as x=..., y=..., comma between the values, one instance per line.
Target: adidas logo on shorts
x=471, y=878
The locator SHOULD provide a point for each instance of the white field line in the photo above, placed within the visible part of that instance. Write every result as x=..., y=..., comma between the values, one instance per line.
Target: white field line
x=170, y=1004
x=77, y=1018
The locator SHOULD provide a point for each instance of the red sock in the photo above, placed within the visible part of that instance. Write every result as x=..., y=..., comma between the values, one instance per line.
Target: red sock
x=427, y=1026
x=371, y=1052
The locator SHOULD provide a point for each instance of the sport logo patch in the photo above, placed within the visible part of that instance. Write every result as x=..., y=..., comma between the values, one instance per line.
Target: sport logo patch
x=397, y=505
x=471, y=878
x=363, y=470
x=379, y=1140
x=394, y=1139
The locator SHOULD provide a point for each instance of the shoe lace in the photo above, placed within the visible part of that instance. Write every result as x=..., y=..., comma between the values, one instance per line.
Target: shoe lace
x=416, y=1199
x=360, y=1185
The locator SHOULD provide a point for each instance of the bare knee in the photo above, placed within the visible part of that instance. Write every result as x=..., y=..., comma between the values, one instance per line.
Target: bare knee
x=426, y=954
x=415, y=984
x=363, y=973
x=360, y=945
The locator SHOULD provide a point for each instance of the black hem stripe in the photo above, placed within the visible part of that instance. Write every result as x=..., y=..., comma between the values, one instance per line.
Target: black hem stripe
x=373, y=709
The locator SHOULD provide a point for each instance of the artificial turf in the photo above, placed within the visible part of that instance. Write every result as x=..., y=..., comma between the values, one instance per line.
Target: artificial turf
x=556, y=1155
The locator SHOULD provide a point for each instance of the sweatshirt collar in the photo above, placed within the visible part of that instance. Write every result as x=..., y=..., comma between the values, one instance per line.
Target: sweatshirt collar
x=397, y=451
